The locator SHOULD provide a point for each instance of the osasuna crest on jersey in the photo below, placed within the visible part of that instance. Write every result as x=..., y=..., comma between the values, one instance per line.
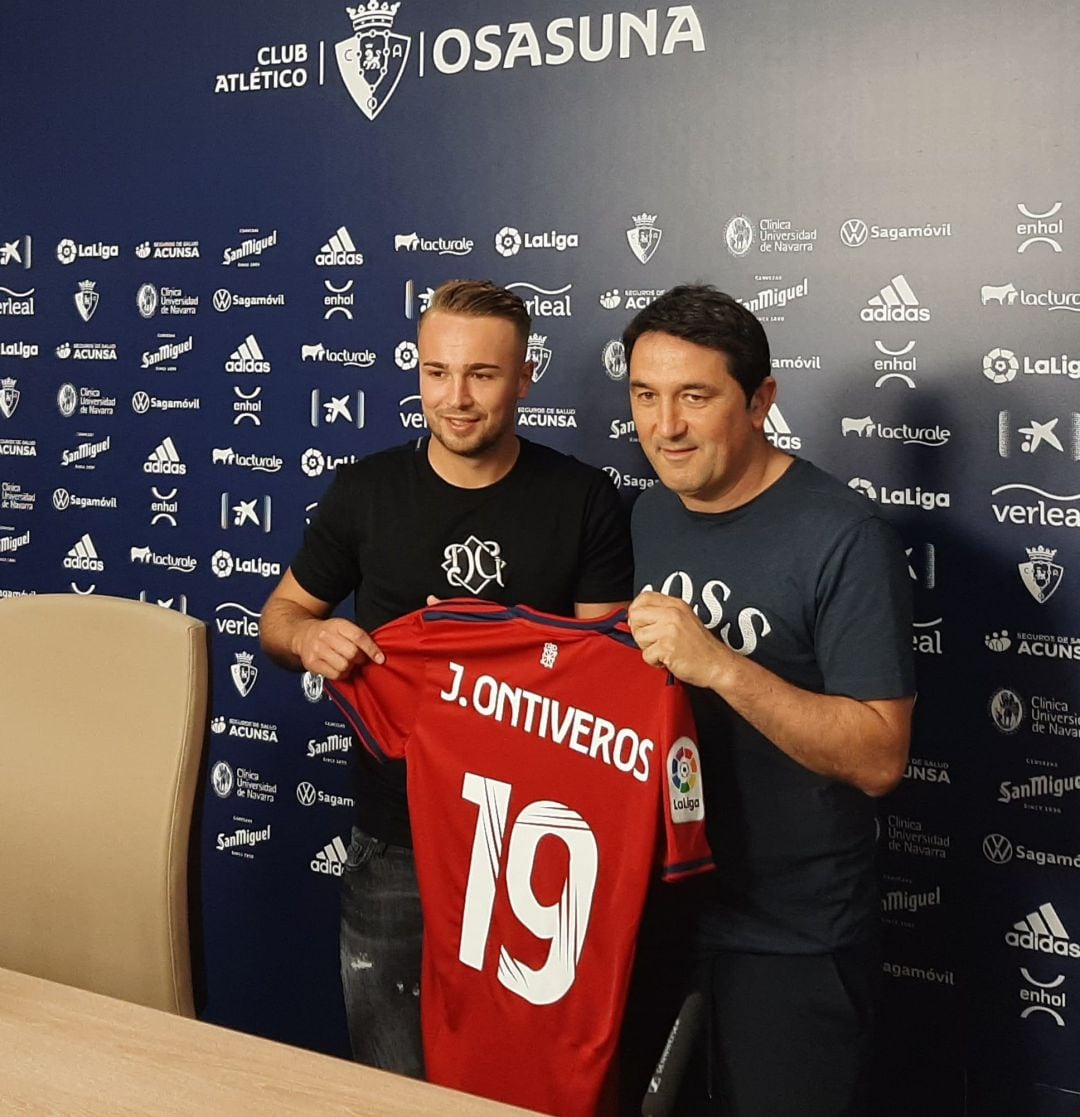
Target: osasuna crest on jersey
x=1041, y=575
x=86, y=300
x=9, y=397
x=373, y=60
x=244, y=673
x=540, y=355
x=644, y=237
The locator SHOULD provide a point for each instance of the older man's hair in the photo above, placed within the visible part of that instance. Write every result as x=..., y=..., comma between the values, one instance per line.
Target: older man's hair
x=480, y=298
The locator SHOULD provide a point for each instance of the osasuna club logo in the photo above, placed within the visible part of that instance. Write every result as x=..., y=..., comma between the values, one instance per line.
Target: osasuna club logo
x=244, y=673
x=86, y=300
x=1043, y=931
x=9, y=396
x=540, y=355
x=644, y=237
x=372, y=61
x=1040, y=574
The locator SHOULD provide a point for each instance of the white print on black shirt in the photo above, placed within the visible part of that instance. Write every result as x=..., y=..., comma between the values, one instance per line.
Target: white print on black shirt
x=472, y=565
x=679, y=584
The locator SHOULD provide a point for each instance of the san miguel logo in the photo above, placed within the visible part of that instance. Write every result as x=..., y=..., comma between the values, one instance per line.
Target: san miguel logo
x=372, y=61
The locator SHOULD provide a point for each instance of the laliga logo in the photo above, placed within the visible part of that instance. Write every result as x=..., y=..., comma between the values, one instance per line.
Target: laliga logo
x=372, y=61
x=684, y=775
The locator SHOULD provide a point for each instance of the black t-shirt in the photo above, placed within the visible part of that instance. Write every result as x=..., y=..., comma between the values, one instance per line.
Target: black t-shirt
x=391, y=531
x=807, y=581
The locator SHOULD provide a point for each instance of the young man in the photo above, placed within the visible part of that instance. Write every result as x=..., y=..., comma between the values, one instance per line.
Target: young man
x=774, y=592
x=472, y=510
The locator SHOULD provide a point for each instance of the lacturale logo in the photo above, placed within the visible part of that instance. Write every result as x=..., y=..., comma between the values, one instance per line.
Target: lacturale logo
x=1043, y=931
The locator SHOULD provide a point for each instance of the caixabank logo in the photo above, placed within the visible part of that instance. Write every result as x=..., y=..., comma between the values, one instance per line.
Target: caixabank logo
x=376, y=56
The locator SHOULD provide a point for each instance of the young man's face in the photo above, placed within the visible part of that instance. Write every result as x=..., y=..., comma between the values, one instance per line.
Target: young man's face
x=693, y=420
x=472, y=374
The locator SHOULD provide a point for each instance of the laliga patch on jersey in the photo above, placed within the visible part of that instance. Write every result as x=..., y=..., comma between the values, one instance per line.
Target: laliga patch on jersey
x=684, y=782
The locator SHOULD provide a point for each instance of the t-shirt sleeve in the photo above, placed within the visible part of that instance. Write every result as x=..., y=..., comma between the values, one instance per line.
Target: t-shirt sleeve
x=381, y=701
x=862, y=635
x=327, y=564
x=606, y=569
x=682, y=796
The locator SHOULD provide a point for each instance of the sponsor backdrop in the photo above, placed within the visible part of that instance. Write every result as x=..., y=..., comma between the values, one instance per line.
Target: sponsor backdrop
x=218, y=229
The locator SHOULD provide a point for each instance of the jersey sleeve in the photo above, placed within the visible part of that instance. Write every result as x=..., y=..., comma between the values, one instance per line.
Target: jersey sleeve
x=862, y=634
x=682, y=795
x=381, y=701
x=326, y=564
x=606, y=568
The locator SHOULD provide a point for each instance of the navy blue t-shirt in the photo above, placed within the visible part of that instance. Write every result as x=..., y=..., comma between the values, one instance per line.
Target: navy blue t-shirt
x=808, y=582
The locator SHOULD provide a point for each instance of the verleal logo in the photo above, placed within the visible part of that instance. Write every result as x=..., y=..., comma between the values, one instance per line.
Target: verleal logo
x=684, y=782
x=1043, y=931
x=372, y=61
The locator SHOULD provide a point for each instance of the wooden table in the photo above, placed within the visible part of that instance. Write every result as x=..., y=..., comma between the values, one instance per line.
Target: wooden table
x=65, y=1051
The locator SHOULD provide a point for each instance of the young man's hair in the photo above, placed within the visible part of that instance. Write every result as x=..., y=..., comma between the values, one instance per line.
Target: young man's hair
x=480, y=298
x=707, y=317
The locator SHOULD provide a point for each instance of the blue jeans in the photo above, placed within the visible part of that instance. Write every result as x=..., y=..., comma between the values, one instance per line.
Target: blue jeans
x=381, y=934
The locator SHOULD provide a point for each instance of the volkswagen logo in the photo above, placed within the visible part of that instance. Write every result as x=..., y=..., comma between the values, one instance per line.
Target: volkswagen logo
x=305, y=793
x=854, y=232
x=222, y=299
x=140, y=403
x=61, y=499
x=997, y=848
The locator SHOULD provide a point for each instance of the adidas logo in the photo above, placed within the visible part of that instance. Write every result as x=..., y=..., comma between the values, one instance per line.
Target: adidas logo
x=330, y=860
x=778, y=432
x=339, y=250
x=248, y=357
x=1042, y=930
x=83, y=556
x=164, y=459
x=896, y=302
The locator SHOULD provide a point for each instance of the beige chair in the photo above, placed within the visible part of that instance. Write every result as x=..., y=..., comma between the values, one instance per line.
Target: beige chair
x=102, y=729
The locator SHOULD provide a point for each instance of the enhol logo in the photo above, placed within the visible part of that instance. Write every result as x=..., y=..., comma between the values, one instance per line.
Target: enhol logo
x=374, y=58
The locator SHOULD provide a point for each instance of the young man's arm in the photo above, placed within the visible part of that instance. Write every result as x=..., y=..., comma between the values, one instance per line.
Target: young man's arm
x=298, y=633
x=863, y=743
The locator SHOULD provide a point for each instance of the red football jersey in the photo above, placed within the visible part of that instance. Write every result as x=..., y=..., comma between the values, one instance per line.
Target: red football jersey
x=548, y=766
